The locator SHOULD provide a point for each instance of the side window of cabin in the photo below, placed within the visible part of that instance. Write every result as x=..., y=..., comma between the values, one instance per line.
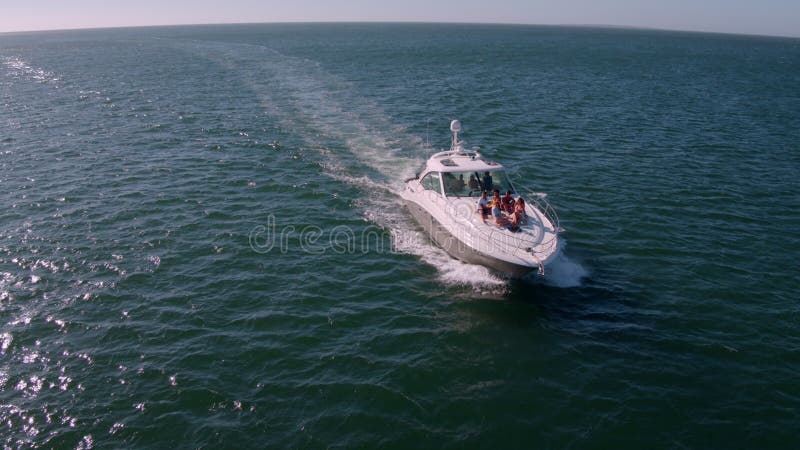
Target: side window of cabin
x=431, y=182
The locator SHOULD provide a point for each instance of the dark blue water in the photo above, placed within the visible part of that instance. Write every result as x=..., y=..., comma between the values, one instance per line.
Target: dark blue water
x=201, y=244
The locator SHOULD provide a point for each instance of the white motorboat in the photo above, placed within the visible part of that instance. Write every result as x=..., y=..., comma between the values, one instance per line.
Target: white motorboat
x=444, y=199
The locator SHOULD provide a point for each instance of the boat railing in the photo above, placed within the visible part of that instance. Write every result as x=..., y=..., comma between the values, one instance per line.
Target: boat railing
x=539, y=201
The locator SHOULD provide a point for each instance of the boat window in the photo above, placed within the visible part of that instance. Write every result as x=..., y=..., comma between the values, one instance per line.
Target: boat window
x=455, y=184
x=431, y=182
x=470, y=184
x=496, y=179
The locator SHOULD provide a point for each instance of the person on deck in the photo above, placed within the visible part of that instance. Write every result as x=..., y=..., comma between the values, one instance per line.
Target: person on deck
x=483, y=206
x=519, y=212
x=507, y=203
x=497, y=211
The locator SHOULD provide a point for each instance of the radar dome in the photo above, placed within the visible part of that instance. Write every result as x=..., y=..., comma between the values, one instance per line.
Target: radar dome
x=455, y=126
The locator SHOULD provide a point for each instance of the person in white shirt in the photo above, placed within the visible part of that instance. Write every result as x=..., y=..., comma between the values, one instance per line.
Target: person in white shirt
x=483, y=206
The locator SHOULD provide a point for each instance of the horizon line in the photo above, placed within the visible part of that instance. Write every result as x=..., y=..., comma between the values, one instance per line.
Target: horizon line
x=400, y=22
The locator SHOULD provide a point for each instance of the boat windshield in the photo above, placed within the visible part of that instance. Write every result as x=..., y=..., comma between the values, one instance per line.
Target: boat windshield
x=470, y=184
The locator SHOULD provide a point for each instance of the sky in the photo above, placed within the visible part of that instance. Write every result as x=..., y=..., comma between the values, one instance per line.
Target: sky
x=765, y=17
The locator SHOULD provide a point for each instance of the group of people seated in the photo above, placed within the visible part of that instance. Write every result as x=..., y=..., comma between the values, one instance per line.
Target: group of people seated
x=506, y=210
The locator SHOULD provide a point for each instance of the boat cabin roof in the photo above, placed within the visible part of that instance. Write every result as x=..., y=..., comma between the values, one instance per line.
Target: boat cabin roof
x=459, y=161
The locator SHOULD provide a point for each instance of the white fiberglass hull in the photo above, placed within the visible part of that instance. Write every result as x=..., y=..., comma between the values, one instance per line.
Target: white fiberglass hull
x=468, y=238
x=460, y=250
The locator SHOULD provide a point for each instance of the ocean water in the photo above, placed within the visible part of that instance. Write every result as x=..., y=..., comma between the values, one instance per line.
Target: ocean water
x=202, y=246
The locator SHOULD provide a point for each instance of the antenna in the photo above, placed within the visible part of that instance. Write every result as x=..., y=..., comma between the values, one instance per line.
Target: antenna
x=455, y=127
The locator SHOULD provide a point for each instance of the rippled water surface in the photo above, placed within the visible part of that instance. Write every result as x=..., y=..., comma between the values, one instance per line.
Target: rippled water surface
x=201, y=242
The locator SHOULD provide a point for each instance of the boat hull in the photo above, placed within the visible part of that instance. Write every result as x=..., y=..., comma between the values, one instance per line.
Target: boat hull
x=460, y=250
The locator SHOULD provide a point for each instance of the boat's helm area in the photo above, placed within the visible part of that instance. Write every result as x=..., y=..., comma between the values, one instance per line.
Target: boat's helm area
x=467, y=184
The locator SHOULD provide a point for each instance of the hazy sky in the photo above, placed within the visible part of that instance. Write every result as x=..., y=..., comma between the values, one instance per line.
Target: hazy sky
x=771, y=17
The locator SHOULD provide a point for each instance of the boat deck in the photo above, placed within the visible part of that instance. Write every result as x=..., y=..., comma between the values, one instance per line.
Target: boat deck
x=536, y=236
